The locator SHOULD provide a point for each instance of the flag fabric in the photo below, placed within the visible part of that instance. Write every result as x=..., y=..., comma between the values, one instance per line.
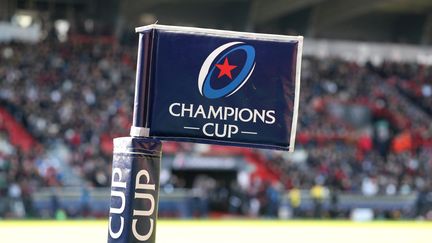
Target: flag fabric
x=218, y=87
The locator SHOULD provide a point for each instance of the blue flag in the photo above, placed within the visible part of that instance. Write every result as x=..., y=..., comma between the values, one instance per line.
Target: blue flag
x=218, y=87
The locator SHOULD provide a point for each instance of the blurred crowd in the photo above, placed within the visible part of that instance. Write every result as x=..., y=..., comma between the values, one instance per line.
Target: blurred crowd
x=389, y=154
x=76, y=94
x=392, y=150
x=363, y=128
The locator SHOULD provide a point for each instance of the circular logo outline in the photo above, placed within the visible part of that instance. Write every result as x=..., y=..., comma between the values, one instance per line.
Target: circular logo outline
x=204, y=77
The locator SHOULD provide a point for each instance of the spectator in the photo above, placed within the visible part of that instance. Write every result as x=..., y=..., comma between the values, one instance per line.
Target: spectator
x=317, y=193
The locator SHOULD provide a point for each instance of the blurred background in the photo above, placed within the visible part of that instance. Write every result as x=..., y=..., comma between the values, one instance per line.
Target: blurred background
x=364, y=140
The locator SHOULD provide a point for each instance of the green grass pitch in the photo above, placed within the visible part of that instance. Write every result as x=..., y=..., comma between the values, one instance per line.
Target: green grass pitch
x=225, y=231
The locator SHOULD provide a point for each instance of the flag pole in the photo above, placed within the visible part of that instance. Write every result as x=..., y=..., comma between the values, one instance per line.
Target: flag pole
x=136, y=168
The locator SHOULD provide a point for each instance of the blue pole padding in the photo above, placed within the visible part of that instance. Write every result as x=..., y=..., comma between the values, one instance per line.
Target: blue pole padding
x=134, y=190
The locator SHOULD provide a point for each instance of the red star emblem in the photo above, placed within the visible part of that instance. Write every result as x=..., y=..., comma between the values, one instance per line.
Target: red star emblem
x=225, y=68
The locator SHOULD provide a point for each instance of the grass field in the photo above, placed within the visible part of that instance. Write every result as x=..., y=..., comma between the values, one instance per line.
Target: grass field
x=225, y=231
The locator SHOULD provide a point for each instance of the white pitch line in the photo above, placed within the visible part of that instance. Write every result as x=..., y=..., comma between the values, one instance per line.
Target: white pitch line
x=245, y=132
x=192, y=128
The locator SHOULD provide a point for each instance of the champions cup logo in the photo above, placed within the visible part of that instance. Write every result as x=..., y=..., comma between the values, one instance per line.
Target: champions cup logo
x=220, y=59
x=225, y=71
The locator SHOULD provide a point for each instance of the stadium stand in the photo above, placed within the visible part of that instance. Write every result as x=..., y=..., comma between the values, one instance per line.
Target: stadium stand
x=364, y=130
